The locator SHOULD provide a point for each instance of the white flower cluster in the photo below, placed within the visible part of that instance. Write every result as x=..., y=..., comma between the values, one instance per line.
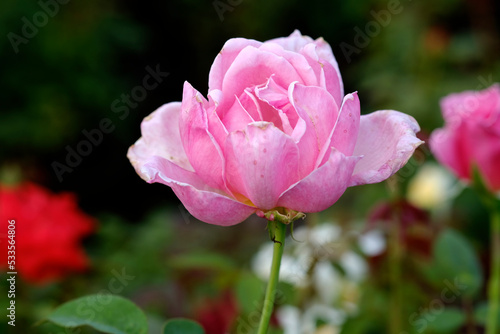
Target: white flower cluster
x=326, y=271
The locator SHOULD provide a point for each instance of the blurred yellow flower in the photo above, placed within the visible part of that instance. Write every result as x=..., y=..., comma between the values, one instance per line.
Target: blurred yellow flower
x=431, y=187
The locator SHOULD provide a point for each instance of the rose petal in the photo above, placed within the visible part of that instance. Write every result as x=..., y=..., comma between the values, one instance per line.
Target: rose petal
x=211, y=207
x=277, y=97
x=160, y=170
x=160, y=137
x=386, y=141
x=274, y=94
x=258, y=109
x=203, y=151
x=450, y=147
x=294, y=42
x=485, y=145
x=261, y=162
x=324, y=51
x=237, y=118
x=316, y=51
x=478, y=104
x=225, y=58
x=253, y=67
x=346, y=129
x=216, y=128
x=323, y=187
x=328, y=75
x=464, y=145
x=344, y=134
x=297, y=60
x=250, y=103
x=204, y=203
x=318, y=110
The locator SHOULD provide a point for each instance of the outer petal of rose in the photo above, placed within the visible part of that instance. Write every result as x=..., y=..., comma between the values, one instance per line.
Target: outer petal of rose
x=482, y=105
x=211, y=207
x=215, y=125
x=160, y=137
x=346, y=129
x=328, y=74
x=203, y=151
x=485, y=147
x=450, y=147
x=206, y=204
x=261, y=162
x=386, y=141
x=323, y=187
x=324, y=51
x=317, y=108
x=225, y=58
x=294, y=42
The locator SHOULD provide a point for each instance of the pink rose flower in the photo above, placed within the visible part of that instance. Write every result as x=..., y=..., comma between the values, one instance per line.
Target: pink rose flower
x=276, y=131
x=471, y=135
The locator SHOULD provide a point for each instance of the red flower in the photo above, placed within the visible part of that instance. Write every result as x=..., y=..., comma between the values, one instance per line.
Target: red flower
x=416, y=232
x=218, y=315
x=48, y=231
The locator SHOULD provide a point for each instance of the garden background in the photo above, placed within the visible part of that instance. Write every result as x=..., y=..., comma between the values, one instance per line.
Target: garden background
x=80, y=68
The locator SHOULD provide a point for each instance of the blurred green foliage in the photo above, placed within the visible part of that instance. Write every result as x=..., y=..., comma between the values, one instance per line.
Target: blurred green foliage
x=65, y=75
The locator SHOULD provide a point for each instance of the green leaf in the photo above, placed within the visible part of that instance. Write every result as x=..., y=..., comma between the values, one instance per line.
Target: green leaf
x=456, y=261
x=105, y=313
x=481, y=313
x=448, y=320
x=250, y=293
x=197, y=260
x=182, y=326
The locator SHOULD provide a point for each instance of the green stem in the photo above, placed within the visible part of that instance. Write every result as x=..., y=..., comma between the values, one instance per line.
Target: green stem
x=277, y=231
x=494, y=283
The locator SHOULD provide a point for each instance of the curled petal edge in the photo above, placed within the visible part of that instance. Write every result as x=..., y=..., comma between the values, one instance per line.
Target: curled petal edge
x=403, y=128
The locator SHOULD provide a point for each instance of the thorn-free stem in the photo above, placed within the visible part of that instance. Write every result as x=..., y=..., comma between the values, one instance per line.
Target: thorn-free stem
x=277, y=230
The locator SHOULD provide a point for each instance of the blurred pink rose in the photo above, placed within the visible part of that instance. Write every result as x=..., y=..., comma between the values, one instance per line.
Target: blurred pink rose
x=471, y=135
x=276, y=131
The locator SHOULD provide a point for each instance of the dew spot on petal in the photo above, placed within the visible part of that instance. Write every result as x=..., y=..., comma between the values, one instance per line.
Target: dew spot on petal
x=345, y=131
